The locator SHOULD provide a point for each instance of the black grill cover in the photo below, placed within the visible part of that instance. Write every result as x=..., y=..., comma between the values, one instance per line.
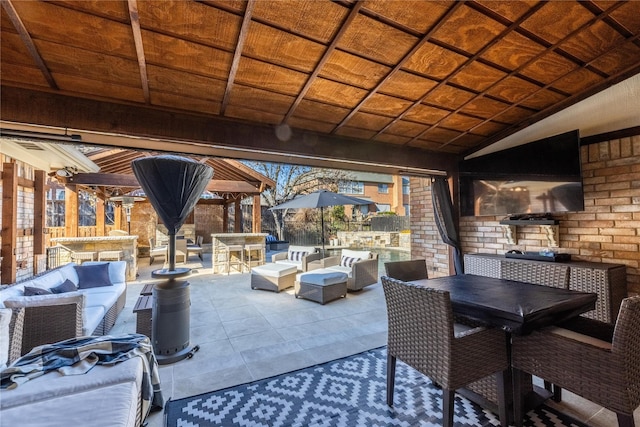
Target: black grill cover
x=173, y=185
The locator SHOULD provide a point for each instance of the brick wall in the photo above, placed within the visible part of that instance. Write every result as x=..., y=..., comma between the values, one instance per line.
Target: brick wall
x=608, y=230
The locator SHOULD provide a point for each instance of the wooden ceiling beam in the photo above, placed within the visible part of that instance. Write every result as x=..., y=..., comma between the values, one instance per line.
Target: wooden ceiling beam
x=137, y=38
x=199, y=134
x=104, y=179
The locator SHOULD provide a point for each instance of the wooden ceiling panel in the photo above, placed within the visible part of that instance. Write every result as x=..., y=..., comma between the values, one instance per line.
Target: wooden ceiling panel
x=511, y=10
x=316, y=19
x=355, y=133
x=97, y=87
x=477, y=76
x=484, y=107
x=13, y=51
x=5, y=22
x=313, y=125
x=433, y=61
x=191, y=21
x=22, y=74
x=385, y=105
x=542, y=99
x=468, y=140
x=468, y=29
x=513, y=89
x=406, y=85
x=405, y=128
x=179, y=54
x=460, y=122
x=371, y=39
x=77, y=29
x=277, y=47
x=181, y=83
x=579, y=80
x=618, y=59
x=253, y=115
x=426, y=114
x=261, y=99
x=117, y=10
x=627, y=15
x=188, y=103
x=90, y=65
x=438, y=134
x=449, y=97
x=392, y=139
x=592, y=42
x=556, y=21
x=335, y=93
x=326, y=113
x=368, y=121
x=426, y=145
x=489, y=128
x=514, y=115
x=353, y=70
x=267, y=76
x=416, y=15
x=548, y=68
x=513, y=51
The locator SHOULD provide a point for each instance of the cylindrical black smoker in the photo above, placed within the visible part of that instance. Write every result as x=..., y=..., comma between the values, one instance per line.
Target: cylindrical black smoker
x=173, y=185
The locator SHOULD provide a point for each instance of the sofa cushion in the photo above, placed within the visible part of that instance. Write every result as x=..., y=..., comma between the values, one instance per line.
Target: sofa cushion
x=46, y=281
x=93, y=275
x=117, y=270
x=68, y=271
x=349, y=253
x=341, y=269
x=296, y=253
x=91, y=318
x=30, y=291
x=66, y=286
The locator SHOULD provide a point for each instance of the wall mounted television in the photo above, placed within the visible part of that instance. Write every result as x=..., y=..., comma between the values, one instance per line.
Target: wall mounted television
x=540, y=177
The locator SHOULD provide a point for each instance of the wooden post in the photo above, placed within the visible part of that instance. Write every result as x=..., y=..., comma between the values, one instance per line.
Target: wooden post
x=237, y=218
x=71, y=210
x=100, y=227
x=225, y=218
x=9, y=222
x=257, y=214
x=39, y=212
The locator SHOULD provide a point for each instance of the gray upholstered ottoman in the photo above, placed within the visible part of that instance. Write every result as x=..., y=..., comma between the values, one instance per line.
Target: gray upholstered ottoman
x=273, y=277
x=321, y=285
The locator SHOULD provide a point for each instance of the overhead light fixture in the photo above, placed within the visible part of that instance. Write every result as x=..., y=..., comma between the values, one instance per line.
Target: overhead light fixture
x=127, y=201
x=25, y=134
x=67, y=172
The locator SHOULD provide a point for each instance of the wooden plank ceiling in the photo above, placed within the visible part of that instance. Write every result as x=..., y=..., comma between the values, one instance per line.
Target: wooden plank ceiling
x=408, y=76
x=232, y=180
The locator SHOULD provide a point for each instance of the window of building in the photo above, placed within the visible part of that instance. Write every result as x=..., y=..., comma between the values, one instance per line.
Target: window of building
x=406, y=188
x=407, y=210
x=351, y=187
x=55, y=207
x=383, y=207
x=383, y=188
x=109, y=213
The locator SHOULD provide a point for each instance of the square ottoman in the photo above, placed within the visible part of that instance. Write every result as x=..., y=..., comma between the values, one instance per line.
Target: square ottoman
x=273, y=277
x=321, y=285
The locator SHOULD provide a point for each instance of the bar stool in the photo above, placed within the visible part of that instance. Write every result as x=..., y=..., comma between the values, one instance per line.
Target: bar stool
x=110, y=255
x=256, y=248
x=235, y=256
x=80, y=257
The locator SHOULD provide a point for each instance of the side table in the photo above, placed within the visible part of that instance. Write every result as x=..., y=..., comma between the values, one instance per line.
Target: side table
x=144, y=310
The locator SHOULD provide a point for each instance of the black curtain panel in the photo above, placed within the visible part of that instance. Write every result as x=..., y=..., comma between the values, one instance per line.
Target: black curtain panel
x=445, y=221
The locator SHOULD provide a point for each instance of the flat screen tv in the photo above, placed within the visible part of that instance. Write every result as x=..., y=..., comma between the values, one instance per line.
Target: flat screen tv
x=540, y=177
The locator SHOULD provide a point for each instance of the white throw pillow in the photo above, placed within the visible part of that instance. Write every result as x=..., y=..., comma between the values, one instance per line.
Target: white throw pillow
x=346, y=261
x=348, y=253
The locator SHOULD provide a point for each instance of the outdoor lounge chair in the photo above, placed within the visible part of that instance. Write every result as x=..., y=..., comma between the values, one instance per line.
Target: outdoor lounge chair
x=196, y=249
x=155, y=251
x=360, y=266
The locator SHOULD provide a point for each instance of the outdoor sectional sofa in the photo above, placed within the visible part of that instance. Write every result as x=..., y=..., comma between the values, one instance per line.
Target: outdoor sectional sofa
x=90, y=310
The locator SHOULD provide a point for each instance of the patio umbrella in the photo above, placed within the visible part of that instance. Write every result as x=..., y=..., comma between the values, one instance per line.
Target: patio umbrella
x=321, y=199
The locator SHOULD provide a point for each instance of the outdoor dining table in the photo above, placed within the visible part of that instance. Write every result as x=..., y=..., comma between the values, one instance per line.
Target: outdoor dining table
x=515, y=307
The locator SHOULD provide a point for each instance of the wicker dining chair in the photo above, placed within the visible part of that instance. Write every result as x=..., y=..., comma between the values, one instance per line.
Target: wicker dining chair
x=407, y=271
x=422, y=334
x=607, y=373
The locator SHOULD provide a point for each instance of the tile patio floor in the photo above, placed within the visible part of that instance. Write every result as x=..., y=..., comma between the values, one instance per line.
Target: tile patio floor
x=246, y=335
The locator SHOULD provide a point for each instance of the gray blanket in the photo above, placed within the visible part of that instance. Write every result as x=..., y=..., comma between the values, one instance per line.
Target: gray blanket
x=78, y=355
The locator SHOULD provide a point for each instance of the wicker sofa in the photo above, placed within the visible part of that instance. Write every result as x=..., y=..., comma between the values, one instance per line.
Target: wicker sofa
x=59, y=316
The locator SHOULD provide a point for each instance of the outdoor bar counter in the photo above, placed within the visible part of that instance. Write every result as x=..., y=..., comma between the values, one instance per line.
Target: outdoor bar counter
x=127, y=244
x=219, y=240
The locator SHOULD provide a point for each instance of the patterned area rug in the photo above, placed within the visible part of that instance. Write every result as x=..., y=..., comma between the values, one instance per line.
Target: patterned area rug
x=346, y=392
